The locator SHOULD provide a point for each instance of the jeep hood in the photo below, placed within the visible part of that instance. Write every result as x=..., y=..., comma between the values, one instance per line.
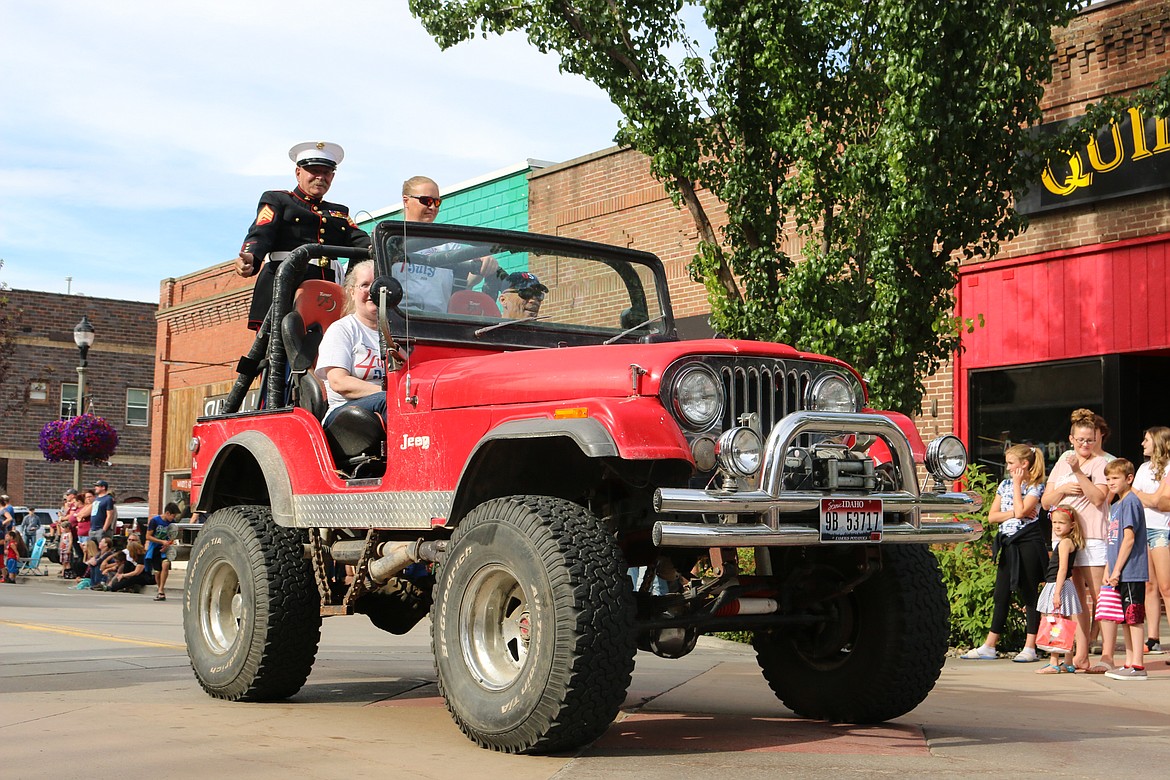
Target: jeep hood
x=549, y=375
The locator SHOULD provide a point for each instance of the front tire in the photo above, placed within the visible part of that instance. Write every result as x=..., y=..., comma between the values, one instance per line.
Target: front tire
x=251, y=613
x=532, y=626
x=878, y=655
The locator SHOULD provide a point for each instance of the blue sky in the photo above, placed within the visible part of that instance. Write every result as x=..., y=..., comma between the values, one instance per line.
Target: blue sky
x=136, y=137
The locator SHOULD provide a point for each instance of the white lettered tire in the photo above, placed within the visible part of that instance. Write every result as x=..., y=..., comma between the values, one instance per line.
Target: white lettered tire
x=532, y=625
x=251, y=614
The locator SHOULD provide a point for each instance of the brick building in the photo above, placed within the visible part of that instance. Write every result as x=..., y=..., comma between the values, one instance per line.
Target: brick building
x=41, y=385
x=1101, y=248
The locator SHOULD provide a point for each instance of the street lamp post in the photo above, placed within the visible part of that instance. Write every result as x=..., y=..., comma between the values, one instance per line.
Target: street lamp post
x=83, y=338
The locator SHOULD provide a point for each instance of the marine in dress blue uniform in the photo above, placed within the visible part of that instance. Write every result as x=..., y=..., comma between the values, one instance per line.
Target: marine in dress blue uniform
x=286, y=219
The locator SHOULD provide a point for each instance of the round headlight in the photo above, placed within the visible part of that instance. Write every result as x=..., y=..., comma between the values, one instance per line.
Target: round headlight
x=739, y=451
x=832, y=393
x=946, y=458
x=698, y=397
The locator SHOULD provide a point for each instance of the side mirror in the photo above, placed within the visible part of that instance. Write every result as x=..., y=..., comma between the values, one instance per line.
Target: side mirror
x=391, y=287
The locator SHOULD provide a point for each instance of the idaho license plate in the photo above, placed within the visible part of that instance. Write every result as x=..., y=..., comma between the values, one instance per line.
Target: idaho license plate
x=851, y=520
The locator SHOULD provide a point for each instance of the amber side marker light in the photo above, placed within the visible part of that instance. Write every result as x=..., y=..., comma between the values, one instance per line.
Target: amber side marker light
x=562, y=414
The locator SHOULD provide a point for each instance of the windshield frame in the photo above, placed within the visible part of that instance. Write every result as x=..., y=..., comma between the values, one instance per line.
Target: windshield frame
x=388, y=237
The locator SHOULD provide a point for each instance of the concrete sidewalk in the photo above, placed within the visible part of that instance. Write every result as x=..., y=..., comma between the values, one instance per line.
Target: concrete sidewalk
x=980, y=715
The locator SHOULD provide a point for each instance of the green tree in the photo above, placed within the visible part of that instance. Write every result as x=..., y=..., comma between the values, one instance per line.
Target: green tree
x=888, y=135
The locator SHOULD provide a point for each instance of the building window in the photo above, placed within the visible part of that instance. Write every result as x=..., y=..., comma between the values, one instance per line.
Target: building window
x=137, y=406
x=68, y=400
x=38, y=392
x=1030, y=405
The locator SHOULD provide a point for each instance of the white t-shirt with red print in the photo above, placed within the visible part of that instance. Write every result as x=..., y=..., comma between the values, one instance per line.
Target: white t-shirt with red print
x=351, y=345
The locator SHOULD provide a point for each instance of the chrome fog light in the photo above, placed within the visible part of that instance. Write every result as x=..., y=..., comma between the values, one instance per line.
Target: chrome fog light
x=946, y=458
x=740, y=451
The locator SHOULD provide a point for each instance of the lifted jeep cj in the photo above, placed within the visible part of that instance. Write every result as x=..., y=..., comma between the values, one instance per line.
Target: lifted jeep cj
x=551, y=490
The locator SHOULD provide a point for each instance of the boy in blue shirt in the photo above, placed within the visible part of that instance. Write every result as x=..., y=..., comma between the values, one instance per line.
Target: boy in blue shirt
x=1126, y=568
x=158, y=539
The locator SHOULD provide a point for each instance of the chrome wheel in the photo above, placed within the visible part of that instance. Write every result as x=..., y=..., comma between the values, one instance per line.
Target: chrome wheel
x=496, y=627
x=221, y=607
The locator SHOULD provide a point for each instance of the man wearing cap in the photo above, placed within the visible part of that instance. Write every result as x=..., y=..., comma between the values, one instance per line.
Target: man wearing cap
x=287, y=219
x=102, y=516
x=522, y=295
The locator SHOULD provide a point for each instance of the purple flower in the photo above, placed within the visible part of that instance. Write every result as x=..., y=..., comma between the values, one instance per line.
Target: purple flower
x=52, y=441
x=87, y=438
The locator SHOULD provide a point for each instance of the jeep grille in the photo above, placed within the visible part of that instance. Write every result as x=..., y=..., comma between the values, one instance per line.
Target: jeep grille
x=769, y=388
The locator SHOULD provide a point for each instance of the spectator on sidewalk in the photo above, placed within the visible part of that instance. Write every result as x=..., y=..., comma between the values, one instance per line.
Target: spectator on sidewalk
x=1020, y=549
x=12, y=555
x=83, y=514
x=1126, y=571
x=131, y=574
x=158, y=541
x=100, y=562
x=1152, y=487
x=102, y=515
x=1077, y=481
x=28, y=528
x=65, y=541
x=7, y=517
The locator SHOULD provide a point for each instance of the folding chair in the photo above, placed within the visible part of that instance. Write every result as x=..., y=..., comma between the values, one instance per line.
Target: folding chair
x=32, y=564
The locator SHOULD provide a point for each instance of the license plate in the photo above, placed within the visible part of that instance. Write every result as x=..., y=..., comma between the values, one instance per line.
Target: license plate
x=851, y=520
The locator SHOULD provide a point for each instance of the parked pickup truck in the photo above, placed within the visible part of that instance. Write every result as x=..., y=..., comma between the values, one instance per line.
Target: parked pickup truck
x=559, y=490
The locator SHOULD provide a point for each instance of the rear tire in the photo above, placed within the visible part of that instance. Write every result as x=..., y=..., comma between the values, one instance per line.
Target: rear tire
x=879, y=654
x=532, y=626
x=251, y=613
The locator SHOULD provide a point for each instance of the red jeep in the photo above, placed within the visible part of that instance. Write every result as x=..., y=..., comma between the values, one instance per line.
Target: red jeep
x=560, y=490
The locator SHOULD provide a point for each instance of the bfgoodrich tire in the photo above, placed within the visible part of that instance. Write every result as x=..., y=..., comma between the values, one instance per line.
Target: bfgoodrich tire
x=251, y=614
x=878, y=655
x=531, y=626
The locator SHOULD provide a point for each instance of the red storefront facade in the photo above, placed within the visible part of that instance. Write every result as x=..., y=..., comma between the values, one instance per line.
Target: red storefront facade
x=1088, y=326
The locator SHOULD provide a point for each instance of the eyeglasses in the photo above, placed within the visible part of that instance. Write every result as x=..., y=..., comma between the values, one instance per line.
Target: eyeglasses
x=536, y=292
x=1085, y=442
x=427, y=200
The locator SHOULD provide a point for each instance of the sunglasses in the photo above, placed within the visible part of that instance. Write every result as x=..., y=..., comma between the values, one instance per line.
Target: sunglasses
x=536, y=291
x=427, y=200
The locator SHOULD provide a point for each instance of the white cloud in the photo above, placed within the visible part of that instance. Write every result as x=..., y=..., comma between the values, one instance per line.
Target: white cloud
x=137, y=136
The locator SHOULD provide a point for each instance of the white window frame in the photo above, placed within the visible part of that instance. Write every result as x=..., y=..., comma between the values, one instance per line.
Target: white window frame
x=145, y=407
x=69, y=388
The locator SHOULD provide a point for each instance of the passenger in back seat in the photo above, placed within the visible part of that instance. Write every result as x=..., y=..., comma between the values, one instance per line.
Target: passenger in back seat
x=350, y=359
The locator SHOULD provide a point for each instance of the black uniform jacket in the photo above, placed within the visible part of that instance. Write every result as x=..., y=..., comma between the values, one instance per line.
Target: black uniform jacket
x=286, y=220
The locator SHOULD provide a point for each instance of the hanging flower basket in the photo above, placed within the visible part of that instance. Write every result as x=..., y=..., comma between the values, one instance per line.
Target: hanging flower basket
x=53, y=441
x=87, y=438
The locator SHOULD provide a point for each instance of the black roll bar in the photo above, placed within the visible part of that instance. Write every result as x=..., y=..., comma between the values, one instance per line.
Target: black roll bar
x=283, y=288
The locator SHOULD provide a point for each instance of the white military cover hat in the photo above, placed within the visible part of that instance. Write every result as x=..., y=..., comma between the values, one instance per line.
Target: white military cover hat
x=316, y=153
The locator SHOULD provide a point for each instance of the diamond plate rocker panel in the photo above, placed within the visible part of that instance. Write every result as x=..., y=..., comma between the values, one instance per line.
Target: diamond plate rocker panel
x=372, y=510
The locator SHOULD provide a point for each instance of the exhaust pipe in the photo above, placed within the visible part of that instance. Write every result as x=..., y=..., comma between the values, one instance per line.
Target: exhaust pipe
x=396, y=556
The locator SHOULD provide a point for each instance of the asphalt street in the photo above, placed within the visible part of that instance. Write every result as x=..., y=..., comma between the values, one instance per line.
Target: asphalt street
x=101, y=681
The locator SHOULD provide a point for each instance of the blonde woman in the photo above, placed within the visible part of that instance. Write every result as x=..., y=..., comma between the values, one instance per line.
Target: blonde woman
x=1020, y=549
x=1152, y=487
x=350, y=358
